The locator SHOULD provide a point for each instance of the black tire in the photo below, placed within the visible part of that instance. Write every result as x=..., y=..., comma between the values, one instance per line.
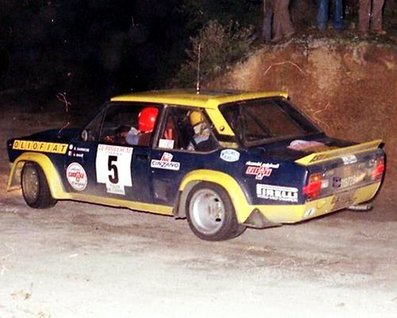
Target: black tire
x=35, y=188
x=210, y=213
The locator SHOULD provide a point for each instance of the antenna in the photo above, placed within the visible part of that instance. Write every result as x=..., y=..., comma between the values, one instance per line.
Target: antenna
x=198, y=69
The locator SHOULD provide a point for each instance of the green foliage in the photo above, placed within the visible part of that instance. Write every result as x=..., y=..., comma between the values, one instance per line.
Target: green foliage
x=217, y=46
x=199, y=13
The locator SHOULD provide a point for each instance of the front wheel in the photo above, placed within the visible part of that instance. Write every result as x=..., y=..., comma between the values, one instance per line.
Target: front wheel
x=210, y=213
x=35, y=188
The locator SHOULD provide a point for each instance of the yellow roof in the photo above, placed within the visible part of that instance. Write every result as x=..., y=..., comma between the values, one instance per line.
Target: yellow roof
x=206, y=99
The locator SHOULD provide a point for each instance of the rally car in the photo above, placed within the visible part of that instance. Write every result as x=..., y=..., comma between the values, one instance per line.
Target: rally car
x=222, y=160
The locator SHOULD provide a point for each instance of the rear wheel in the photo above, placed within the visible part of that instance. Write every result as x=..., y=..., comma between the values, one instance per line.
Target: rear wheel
x=35, y=188
x=210, y=213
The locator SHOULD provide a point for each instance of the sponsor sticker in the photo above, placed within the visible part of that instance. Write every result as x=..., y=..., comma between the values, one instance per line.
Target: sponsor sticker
x=230, y=155
x=309, y=213
x=349, y=159
x=40, y=146
x=319, y=157
x=165, y=163
x=260, y=169
x=76, y=176
x=278, y=193
x=115, y=188
x=166, y=143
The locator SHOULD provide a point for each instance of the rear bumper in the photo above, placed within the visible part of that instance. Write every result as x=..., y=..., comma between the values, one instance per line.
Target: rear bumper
x=277, y=214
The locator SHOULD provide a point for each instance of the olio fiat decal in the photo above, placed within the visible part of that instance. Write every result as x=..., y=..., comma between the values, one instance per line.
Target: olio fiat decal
x=39, y=146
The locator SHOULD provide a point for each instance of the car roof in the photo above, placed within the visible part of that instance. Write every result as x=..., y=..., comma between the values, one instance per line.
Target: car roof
x=205, y=99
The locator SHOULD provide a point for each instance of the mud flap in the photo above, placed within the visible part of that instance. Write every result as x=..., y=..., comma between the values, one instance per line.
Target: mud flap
x=259, y=221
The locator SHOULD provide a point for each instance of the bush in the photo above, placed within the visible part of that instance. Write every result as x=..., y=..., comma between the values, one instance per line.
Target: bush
x=215, y=48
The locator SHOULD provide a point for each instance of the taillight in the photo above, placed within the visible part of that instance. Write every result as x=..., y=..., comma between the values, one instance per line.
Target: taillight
x=379, y=169
x=313, y=187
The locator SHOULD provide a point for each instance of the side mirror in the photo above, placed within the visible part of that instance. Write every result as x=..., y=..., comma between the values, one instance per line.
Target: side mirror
x=85, y=135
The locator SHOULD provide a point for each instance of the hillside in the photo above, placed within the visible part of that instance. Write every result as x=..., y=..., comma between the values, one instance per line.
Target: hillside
x=347, y=88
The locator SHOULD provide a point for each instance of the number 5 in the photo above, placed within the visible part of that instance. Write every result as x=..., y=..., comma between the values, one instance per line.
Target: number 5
x=114, y=174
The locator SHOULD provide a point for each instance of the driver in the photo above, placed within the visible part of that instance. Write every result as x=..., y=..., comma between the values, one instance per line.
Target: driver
x=146, y=120
x=202, y=140
x=126, y=135
x=120, y=135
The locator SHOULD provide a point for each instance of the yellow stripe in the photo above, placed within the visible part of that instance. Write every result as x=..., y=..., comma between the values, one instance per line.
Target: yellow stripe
x=58, y=192
x=40, y=146
x=298, y=213
x=146, y=207
x=273, y=213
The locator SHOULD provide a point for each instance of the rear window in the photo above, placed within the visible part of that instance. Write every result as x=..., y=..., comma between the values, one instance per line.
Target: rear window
x=263, y=120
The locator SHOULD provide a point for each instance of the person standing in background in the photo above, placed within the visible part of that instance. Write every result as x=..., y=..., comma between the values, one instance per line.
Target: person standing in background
x=282, y=25
x=323, y=14
x=370, y=17
x=267, y=21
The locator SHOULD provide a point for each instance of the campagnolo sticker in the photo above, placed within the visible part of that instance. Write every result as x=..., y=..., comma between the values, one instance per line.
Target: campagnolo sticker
x=278, y=193
x=230, y=155
x=260, y=169
x=165, y=163
x=76, y=176
x=113, y=167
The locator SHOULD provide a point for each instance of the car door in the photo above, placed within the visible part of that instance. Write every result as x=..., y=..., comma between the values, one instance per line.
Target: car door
x=100, y=162
x=175, y=153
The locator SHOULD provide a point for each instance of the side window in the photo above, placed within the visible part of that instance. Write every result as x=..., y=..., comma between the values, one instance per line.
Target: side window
x=92, y=130
x=129, y=124
x=186, y=129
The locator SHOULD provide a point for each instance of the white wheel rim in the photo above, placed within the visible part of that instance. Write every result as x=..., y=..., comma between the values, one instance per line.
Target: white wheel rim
x=207, y=211
x=31, y=185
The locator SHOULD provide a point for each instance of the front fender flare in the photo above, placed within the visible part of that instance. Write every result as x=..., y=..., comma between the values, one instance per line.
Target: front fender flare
x=52, y=175
x=231, y=186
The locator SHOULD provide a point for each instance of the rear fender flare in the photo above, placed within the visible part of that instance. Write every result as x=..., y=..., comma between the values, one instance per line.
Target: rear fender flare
x=224, y=180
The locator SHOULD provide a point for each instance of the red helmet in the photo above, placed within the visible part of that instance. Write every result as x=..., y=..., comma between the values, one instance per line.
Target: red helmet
x=146, y=119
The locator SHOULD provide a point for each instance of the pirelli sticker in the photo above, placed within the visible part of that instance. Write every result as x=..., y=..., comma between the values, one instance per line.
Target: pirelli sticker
x=40, y=146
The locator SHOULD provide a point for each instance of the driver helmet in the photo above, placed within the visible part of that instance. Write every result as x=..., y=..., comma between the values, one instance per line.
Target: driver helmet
x=196, y=118
x=147, y=118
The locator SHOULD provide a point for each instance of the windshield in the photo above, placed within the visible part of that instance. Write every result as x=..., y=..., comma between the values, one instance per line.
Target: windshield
x=263, y=120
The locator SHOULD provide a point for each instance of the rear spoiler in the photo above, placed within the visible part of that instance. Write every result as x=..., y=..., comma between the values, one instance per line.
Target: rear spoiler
x=346, y=152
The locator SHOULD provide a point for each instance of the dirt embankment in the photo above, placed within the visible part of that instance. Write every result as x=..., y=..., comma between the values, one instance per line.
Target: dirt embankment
x=348, y=88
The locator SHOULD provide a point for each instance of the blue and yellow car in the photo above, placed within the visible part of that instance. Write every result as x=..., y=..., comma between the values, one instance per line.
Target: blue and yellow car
x=225, y=161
